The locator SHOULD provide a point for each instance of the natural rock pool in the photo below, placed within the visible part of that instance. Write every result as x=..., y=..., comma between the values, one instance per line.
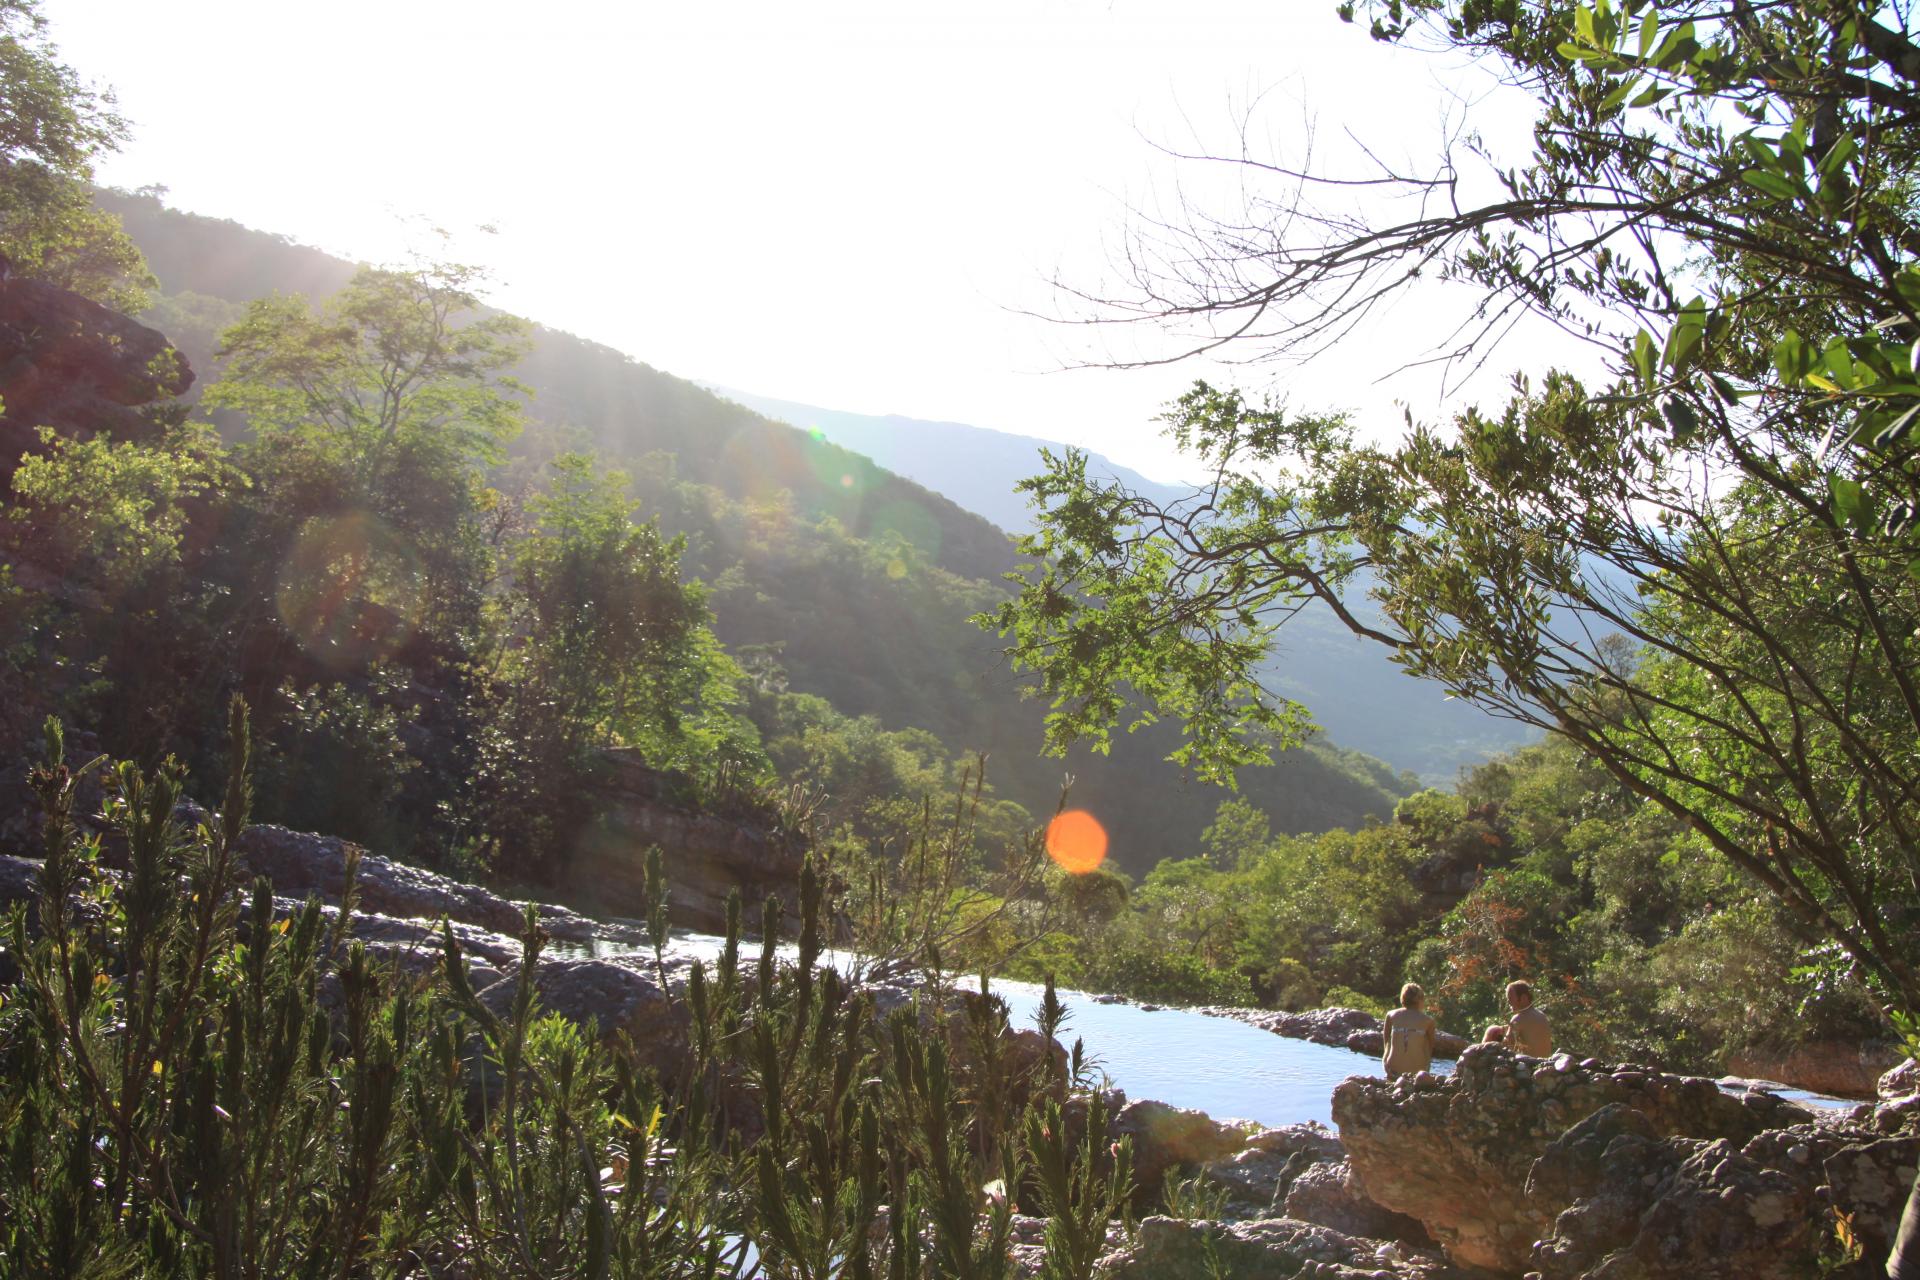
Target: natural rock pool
x=1184, y=1058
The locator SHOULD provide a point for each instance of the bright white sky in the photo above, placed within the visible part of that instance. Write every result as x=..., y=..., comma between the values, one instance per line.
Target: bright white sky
x=840, y=203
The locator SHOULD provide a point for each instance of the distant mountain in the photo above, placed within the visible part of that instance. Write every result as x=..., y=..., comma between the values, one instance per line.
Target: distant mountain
x=1362, y=700
x=860, y=580
x=975, y=466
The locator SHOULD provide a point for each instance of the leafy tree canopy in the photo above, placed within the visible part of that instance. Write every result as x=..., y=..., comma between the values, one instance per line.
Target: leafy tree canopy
x=1702, y=572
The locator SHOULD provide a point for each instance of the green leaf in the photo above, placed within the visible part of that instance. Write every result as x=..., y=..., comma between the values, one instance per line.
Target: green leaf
x=1581, y=53
x=1848, y=499
x=1792, y=358
x=1619, y=95
x=1649, y=31
x=1688, y=331
x=1843, y=150
x=1644, y=357
x=1898, y=430
x=1770, y=184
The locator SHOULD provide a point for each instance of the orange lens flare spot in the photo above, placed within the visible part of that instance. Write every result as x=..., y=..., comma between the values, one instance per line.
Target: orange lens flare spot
x=1076, y=842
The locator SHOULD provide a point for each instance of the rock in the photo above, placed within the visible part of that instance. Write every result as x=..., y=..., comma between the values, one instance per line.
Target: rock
x=1869, y=1183
x=1902, y=1081
x=704, y=856
x=1844, y=1069
x=1338, y=1028
x=1372, y=1043
x=300, y=863
x=1166, y=1138
x=75, y=366
x=1614, y=1198
x=1327, y=1194
x=1455, y=1152
x=1259, y=1175
x=613, y=997
x=1261, y=1249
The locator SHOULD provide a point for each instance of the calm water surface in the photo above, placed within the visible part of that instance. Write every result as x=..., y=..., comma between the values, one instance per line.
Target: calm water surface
x=1225, y=1068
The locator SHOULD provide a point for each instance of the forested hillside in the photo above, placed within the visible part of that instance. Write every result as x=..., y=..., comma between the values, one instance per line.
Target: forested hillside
x=833, y=576
x=1355, y=693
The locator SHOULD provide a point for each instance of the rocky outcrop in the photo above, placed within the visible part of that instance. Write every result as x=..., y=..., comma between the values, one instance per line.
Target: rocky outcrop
x=1843, y=1069
x=1263, y=1249
x=704, y=856
x=1568, y=1169
x=1660, y=1208
x=76, y=366
x=300, y=863
x=1256, y=1178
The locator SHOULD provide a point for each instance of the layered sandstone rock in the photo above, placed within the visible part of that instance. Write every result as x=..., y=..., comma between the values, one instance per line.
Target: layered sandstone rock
x=1844, y=1069
x=704, y=856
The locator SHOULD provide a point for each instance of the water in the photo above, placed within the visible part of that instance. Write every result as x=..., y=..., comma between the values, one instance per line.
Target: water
x=1225, y=1068
x=1228, y=1069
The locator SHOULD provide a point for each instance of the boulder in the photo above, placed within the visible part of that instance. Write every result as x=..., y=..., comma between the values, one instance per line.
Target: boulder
x=1329, y=1195
x=613, y=997
x=1260, y=1249
x=76, y=366
x=1258, y=1176
x=1902, y=1081
x=300, y=863
x=1455, y=1152
x=1869, y=1184
x=1167, y=1138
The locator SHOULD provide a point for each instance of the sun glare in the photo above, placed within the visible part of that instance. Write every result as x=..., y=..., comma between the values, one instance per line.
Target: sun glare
x=1076, y=841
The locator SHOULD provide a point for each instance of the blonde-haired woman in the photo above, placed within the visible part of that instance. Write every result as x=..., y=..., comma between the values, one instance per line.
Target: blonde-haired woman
x=1408, y=1033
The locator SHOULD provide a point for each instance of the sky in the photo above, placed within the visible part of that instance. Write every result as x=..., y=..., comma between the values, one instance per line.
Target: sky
x=863, y=206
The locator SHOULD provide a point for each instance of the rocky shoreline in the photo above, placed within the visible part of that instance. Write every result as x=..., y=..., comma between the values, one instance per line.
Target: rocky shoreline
x=1555, y=1168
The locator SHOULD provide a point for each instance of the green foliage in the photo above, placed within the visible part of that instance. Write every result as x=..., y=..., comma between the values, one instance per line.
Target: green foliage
x=201, y=1081
x=599, y=625
x=114, y=510
x=1700, y=573
x=52, y=128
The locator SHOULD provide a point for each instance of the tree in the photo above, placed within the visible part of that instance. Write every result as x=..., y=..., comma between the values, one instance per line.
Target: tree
x=52, y=128
x=383, y=407
x=1702, y=574
x=600, y=623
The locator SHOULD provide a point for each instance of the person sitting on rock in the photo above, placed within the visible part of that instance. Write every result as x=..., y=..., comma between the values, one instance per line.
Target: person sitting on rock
x=1408, y=1034
x=1527, y=1029
x=1496, y=1032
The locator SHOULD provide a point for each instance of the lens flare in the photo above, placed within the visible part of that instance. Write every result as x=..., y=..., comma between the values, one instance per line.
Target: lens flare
x=1076, y=842
x=349, y=590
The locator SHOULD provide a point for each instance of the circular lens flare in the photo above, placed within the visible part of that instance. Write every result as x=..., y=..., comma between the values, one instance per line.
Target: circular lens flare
x=1076, y=842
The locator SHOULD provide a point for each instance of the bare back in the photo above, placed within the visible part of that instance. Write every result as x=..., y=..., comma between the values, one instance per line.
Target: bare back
x=1530, y=1034
x=1409, y=1035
